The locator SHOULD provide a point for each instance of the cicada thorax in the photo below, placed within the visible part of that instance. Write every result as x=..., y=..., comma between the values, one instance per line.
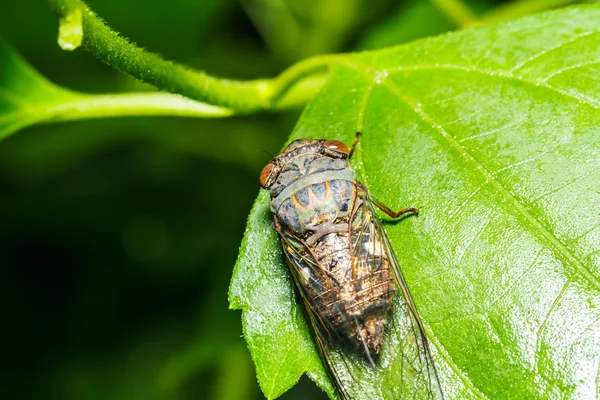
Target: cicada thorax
x=317, y=206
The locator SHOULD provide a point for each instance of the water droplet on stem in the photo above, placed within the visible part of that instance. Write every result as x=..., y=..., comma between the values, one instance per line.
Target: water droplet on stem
x=70, y=30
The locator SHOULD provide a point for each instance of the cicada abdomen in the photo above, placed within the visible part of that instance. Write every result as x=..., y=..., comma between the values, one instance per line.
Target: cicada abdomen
x=347, y=275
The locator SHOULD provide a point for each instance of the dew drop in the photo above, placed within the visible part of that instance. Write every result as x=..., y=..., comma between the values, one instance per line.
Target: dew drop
x=380, y=76
x=70, y=30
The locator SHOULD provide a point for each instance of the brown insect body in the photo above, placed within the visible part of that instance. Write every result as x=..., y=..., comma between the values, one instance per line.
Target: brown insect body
x=340, y=258
x=313, y=200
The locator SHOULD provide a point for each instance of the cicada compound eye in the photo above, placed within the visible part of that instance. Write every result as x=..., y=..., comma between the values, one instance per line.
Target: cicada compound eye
x=265, y=174
x=337, y=146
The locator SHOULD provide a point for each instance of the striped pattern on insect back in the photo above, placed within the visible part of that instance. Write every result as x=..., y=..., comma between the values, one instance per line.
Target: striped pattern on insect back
x=316, y=209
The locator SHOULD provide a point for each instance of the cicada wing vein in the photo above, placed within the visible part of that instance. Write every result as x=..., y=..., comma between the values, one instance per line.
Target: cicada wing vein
x=299, y=257
x=406, y=344
x=307, y=273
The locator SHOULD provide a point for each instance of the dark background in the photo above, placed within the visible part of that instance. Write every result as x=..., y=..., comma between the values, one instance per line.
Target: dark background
x=118, y=237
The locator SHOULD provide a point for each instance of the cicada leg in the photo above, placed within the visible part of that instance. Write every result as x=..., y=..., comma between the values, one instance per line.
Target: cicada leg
x=354, y=144
x=386, y=209
x=377, y=203
x=390, y=212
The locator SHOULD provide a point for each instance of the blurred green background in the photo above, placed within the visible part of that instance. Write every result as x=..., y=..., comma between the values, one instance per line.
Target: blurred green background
x=118, y=237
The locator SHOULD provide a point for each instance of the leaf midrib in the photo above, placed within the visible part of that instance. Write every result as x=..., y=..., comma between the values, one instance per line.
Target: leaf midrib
x=441, y=350
x=453, y=366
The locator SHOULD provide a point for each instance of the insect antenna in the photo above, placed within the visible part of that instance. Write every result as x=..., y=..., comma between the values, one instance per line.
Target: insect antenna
x=266, y=152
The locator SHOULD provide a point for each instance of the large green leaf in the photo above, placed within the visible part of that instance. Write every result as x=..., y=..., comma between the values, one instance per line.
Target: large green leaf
x=494, y=134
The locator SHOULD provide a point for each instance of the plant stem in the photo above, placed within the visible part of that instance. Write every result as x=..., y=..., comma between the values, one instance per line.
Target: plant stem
x=132, y=104
x=239, y=97
x=300, y=72
x=458, y=11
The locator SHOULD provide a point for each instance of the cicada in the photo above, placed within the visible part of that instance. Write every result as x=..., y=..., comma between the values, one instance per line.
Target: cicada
x=364, y=322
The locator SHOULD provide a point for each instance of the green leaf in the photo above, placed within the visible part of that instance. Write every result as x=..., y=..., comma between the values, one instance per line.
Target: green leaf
x=493, y=133
x=28, y=98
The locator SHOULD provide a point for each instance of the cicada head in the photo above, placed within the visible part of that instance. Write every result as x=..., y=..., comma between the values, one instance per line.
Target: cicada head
x=319, y=148
x=270, y=172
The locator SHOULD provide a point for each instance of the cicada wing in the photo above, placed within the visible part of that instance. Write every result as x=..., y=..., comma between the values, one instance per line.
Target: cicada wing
x=393, y=364
x=311, y=280
x=406, y=363
x=310, y=277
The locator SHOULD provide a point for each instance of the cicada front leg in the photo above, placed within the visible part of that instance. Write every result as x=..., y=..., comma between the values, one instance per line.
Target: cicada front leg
x=354, y=144
x=389, y=211
x=386, y=209
x=377, y=203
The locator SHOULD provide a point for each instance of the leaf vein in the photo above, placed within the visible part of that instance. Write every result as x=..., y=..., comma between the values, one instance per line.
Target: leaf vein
x=485, y=224
x=458, y=208
x=490, y=132
x=592, y=253
x=552, y=49
x=569, y=68
x=538, y=340
x=529, y=268
x=463, y=376
x=535, y=157
x=571, y=182
x=549, y=236
x=453, y=366
x=580, y=99
x=281, y=363
x=586, y=232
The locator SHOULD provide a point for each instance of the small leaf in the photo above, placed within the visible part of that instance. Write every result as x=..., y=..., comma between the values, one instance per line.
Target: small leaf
x=28, y=98
x=493, y=133
x=20, y=87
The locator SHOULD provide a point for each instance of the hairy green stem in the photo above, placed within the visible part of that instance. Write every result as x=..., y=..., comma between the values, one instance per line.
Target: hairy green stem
x=238, y=96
